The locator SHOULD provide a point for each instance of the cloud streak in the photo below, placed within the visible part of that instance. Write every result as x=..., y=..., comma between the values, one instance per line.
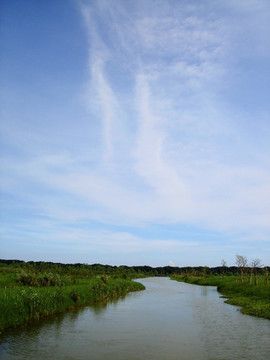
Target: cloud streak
x=179, y=66
x=160, y=140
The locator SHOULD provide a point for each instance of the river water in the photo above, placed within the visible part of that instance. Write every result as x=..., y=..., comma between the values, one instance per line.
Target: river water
x=169, y=320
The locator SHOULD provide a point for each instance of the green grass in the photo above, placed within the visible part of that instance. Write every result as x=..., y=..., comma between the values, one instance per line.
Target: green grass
x=253, y=299
x=20, y=303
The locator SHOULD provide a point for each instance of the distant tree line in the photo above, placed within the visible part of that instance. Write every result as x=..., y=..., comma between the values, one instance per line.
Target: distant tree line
x=79, y=269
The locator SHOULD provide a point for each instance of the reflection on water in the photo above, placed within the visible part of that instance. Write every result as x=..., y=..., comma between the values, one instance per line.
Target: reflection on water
x=169, y=320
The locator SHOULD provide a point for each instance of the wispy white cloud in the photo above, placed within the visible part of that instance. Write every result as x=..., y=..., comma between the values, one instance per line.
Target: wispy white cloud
x=163, y=142
x=174, y=168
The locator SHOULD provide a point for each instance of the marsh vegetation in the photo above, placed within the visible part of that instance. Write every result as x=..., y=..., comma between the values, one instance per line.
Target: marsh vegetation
x=253, y=298
x=32, y=291
x=169, y=320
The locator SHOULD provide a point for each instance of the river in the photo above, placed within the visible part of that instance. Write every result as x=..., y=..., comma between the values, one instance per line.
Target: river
x=169, y=321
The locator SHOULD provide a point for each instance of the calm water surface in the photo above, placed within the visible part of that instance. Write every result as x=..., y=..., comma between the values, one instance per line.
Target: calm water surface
x=169, y=320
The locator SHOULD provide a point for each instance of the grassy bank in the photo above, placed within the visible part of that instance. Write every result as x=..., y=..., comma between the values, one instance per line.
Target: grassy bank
x=253, y=299
x=25, y=297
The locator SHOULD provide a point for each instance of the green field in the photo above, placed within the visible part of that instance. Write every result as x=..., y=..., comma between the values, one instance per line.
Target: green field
x=253, y=299
x=32, y=293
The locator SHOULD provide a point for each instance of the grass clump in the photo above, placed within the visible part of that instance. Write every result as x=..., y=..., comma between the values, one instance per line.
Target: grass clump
x=41, y=279
x=253, y=299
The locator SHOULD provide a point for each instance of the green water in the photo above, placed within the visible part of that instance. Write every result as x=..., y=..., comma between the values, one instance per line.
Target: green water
x=169, y=320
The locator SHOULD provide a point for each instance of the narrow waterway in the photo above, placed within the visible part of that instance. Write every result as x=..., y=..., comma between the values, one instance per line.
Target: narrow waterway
x=169, y=320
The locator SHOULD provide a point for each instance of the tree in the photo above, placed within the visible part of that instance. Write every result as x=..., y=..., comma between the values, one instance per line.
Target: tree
x=255, y=264
x=241, y=262
x=224, y=265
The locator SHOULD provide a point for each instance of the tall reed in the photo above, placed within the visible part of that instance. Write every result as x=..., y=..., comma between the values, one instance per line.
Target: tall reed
x=22, y=303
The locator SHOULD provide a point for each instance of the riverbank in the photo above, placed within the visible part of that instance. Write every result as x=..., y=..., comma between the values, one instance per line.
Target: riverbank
x=21, y=303
x=253, y=299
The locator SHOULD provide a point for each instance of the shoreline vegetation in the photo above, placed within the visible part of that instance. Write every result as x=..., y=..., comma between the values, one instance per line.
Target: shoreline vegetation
x=31, y=293
x=33, y=290
x=253, y=299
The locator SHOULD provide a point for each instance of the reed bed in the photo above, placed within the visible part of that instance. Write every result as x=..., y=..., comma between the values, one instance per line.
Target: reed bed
x=20, y=303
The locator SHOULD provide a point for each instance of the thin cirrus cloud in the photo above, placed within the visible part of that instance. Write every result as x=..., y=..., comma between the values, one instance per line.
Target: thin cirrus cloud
x=161, y=138
x=178, y=68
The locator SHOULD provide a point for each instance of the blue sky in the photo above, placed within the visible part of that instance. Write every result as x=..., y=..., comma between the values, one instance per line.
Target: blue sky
x=135, y=132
